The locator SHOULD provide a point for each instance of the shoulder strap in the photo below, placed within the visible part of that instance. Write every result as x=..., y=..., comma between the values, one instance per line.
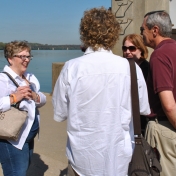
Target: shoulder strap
x=11, y=78
x=135, y=98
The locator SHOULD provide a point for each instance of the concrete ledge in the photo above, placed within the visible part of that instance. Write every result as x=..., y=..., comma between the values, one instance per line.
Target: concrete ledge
x=56, y=69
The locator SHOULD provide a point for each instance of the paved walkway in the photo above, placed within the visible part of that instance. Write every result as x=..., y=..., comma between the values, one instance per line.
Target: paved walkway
x=49, y=152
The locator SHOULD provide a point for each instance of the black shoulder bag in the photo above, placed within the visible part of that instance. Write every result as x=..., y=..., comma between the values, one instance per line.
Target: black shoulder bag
x=145, y=159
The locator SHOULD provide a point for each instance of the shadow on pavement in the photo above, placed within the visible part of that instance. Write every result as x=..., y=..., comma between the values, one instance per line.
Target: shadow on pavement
x=63, y=172
x=37, y=167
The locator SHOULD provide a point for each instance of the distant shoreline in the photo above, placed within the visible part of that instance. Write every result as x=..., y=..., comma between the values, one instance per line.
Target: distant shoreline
x=38, y=46
x=49, y=49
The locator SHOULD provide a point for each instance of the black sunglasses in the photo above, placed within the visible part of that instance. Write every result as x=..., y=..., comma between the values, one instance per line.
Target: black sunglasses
x=142, y=29
x=130, y=48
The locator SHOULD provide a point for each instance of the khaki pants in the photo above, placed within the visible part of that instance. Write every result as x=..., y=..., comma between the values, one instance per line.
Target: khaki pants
x=162, y=135
x=70, y=171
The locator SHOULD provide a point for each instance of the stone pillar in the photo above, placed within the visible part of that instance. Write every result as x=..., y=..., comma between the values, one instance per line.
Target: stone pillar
x=56, y=69
x=130, y=14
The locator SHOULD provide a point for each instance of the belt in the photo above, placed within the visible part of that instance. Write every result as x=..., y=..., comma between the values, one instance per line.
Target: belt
x=159, y=118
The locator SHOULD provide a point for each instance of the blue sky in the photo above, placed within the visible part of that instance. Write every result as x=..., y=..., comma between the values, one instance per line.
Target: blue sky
x=44, y=21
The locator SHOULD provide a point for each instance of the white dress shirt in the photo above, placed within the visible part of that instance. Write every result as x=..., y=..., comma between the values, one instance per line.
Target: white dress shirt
x=93, y=94
x=7, y=88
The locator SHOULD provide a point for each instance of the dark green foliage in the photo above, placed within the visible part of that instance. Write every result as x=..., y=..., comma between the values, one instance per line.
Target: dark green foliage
x=38, y=46
x=2, y=45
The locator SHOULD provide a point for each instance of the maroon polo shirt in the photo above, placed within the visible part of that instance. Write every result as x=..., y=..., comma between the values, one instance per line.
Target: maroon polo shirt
x=162, y=73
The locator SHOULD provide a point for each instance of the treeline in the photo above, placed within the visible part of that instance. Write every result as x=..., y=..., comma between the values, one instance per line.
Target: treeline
x=37, y=46
x=2, y=45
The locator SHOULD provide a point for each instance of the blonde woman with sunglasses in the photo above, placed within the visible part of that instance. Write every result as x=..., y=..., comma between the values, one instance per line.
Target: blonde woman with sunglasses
x=133, y=47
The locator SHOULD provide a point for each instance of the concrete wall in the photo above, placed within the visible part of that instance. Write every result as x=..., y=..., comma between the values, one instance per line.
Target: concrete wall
x=130, y=15
x=56, y=69
x=172, y=12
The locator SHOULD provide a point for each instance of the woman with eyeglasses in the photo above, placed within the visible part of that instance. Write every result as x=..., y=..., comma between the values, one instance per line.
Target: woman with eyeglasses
x=15, y=156
x=133, y=47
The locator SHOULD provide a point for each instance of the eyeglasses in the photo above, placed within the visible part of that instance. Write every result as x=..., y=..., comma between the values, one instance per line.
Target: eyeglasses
x=142, y=29
x=24, y=57
x=130, y=48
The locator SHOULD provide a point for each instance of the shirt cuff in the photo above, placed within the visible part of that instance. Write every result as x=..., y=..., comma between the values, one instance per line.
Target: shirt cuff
x=6, y=103
x=42, y=99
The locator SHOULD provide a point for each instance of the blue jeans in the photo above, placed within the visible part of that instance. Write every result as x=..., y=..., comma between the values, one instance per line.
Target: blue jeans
x=15, y=162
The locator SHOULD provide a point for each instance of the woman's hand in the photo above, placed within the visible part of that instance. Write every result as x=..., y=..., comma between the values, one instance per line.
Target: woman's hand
x=23, y=92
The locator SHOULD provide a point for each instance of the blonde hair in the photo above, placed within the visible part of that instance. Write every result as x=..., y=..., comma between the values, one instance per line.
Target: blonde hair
x=99, y=28
x=15, y=47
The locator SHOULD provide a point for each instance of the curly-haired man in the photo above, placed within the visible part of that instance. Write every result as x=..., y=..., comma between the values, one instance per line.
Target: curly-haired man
x=93, y=94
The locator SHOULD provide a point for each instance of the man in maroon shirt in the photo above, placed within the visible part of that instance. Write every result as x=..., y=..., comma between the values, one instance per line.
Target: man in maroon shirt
x=156, y=30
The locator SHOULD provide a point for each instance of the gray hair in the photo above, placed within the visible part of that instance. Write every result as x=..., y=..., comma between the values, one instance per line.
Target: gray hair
x=162, y=20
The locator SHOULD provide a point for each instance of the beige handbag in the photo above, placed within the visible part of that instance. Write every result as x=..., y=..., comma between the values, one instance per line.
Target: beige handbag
x=11, y=121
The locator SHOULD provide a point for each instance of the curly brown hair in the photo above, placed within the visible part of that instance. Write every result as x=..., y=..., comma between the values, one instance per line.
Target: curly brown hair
x=137, y=41
x=99, y=29
x=15, y=47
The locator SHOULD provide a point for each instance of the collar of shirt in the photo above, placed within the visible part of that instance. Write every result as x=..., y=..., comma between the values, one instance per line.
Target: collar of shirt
x=90, y=50
x=17, y=77
x=11, y=72
x=164, y=42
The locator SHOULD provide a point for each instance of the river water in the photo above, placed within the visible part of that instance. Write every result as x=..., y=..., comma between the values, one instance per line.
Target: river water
x=41, y=64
